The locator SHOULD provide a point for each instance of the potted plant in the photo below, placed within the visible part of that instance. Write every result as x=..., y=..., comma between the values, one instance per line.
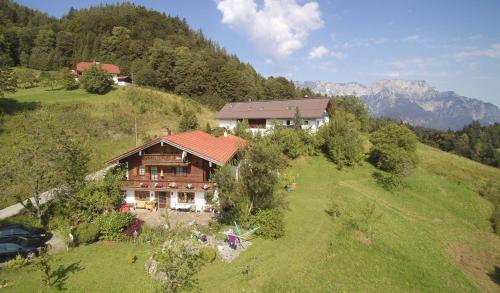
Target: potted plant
x=151, y=205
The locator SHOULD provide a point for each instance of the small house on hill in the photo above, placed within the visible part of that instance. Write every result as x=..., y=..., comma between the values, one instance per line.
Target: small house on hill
x=112, y=69
x=263, y=115
x=174, y=170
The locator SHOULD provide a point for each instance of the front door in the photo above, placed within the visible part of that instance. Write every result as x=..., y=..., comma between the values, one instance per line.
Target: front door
x=163, y=201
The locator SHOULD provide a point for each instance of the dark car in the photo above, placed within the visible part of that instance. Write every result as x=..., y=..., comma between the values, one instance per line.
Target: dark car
x=10, y=247
x=22, y=231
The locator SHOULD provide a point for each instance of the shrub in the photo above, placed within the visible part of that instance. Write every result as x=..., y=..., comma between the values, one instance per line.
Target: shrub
x=95, y=80
x=86, y=233
x=179, y=265
x=270, y=223
x=342, y=141
x=394, y=151
x=15, y=263
x=112, y=224
x=208, y=254
x=131, y=257
x=188, y=121
x=153, y=236
x=135, y=226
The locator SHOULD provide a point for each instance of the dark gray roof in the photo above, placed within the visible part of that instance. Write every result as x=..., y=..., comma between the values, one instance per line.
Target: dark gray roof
x=274, y=109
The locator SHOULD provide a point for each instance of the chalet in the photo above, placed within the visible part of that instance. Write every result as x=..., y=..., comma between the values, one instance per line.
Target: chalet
x=263, y=115
x=112, y=69
x=174, y=170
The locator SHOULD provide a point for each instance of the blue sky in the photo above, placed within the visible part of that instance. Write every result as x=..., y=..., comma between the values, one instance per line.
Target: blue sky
x=454, y=45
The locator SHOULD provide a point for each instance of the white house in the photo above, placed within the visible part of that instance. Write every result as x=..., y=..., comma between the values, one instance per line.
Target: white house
x=263, y=115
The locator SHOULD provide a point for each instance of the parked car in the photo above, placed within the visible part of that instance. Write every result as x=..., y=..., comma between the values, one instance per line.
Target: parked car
x=10, y=247
x=22, y=231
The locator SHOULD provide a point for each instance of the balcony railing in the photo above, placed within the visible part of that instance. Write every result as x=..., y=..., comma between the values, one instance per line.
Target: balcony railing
x=164, y=160
x=166, y=185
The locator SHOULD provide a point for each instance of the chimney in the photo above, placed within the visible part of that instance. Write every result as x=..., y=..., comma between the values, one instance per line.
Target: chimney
x=167, y=132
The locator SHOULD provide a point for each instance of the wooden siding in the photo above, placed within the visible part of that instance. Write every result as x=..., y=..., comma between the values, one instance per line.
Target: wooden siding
x=197, y=170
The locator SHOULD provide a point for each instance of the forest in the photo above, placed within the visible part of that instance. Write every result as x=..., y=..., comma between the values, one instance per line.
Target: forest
x=155, y=49
x=476, y=142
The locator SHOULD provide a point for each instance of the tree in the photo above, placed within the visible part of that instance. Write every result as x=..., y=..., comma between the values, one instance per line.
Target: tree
x=297, y=120
x=188, y=121
x=353, y=105
x=342, y=141
x=45, y=158
x=259, y=175
x=242, y=129
x=8, y=81
x=394, y=151
x=95, y=80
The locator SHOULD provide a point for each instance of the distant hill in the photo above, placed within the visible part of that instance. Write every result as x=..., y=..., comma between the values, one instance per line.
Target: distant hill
x=156, y=49
x=413, y=101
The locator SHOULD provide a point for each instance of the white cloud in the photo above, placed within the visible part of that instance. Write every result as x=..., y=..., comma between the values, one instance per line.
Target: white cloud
x=322, y=51
x=319, y=52
x=268, y=61
x=412, y=38
x=279, y=27
x=492, y=52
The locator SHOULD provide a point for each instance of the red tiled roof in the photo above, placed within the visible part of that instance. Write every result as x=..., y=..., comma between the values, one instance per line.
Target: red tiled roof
x=217, y=149
x=275, y=109
x=110, y=68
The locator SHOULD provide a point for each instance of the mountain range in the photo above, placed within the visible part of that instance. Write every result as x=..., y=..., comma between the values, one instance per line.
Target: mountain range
x=414, y=102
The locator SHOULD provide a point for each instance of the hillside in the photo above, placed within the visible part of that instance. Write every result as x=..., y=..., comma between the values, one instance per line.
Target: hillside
x=105, y=124
x=432, y=236
x=414, y=102
x=154, y=48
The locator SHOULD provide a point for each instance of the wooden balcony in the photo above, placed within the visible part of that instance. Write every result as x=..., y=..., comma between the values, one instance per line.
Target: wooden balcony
x=164, y=160
x=184, y=185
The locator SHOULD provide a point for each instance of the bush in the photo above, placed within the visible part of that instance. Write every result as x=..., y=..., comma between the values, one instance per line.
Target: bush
x=86, y=233
x=153, y=236
x=95, y=80
x=270, y=223
x=208, y=254
x=342, y=141
x=131, y=257
x=15, y=263
x=112, y=224
x=188, y=121
x=135, y=226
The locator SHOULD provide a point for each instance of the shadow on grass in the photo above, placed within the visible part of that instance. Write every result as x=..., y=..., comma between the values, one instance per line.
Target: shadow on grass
x=495, y=275
x=60, y=275
x=11, y=106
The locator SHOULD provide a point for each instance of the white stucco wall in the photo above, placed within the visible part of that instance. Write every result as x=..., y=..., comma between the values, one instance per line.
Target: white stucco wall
x=313, y=124
x=199, y=199
x=130, y=197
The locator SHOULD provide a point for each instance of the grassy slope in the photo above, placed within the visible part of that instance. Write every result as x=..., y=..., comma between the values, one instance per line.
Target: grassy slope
x=106, y=121
x=411, y=245
x=99, y=105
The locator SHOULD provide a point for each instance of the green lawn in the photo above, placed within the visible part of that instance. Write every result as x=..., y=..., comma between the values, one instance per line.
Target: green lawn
x=411, y=249
x=100, y=267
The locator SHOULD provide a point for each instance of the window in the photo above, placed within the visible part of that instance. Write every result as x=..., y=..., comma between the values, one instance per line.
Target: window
x=154, y=174
x=141, y=171
x=185, y=197
x=180, y=171
x=142, y=195
x=306, y=122
x=288, y=123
